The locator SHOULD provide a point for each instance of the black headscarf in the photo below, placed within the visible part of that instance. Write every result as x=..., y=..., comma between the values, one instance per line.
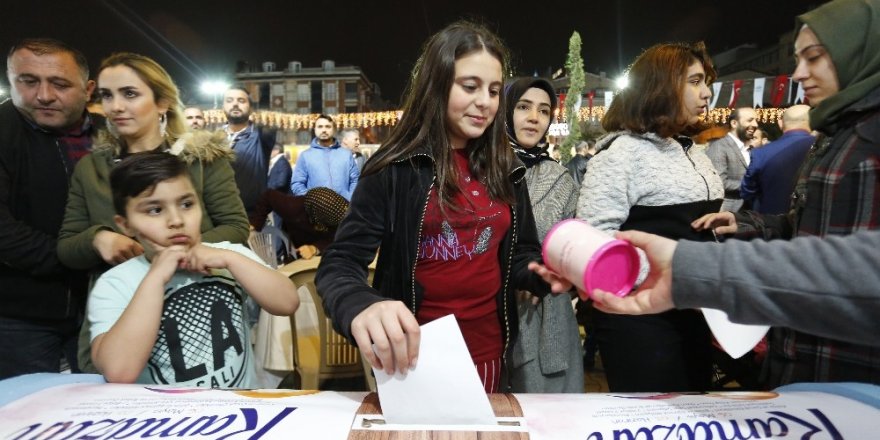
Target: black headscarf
x=513, y=91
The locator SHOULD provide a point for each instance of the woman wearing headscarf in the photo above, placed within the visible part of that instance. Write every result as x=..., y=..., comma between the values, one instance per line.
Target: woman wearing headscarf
x=308, y=220
x=546, y=357
x=836, y=193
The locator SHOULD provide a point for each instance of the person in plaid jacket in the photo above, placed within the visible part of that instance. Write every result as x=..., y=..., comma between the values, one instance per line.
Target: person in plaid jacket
x=837, y=191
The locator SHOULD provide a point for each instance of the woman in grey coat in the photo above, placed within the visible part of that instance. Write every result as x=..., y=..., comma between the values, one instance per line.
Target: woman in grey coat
x=547, y=356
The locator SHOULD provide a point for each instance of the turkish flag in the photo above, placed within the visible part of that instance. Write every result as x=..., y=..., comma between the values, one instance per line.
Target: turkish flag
x=734, y=94
x=779, y=87
x=590, y=96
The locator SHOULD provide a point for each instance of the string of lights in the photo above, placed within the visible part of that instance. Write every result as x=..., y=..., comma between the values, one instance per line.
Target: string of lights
x=293, y=121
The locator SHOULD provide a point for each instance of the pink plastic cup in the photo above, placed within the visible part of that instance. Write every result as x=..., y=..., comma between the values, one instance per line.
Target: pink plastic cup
x=590, y=259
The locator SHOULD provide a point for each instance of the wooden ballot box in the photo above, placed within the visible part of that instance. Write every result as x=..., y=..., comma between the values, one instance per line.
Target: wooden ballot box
x=506, y=407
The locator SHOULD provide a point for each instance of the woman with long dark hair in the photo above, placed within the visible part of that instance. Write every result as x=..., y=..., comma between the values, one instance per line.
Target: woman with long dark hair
x=445, y=204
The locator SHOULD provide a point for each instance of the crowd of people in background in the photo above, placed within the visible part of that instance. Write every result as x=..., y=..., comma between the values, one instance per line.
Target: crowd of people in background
x=123, y=233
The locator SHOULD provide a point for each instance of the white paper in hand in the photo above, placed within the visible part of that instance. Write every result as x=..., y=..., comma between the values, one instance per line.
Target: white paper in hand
x=735, y=339
x=443, y=389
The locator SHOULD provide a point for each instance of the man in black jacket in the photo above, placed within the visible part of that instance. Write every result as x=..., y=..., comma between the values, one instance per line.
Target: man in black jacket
x=44, y=130
x=577, y=166
x=251, y=143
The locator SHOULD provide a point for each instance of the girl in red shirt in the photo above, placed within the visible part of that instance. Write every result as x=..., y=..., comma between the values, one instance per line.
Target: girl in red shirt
x=444, y=203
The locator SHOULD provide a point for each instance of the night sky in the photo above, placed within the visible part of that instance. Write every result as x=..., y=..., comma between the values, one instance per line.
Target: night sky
x=197, y=40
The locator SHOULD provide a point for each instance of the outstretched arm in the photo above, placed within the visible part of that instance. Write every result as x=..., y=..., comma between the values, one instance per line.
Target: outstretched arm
x=812, y=284
x=273, y=291
x=654, y=295
x=807, y=284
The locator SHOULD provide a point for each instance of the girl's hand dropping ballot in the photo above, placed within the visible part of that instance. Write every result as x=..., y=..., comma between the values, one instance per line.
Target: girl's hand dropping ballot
x=394, y=331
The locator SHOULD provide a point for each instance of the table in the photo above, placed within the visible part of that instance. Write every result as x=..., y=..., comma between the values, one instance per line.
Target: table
x=37, y=406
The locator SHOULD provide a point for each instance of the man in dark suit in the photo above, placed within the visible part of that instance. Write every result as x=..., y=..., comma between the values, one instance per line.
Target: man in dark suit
x=770, y=178
x=730, y=155
x=279, y=170
x=577, y=166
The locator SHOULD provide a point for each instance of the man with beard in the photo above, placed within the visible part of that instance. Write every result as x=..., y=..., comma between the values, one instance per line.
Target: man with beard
x=195, y=118
x=730, y=155
x=251, y=143
x=325, y=163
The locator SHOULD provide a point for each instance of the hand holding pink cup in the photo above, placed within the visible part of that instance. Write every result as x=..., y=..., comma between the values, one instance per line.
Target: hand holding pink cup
x=590, y=259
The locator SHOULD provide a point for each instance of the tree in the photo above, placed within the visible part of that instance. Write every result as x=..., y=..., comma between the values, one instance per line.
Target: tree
x=574, y=66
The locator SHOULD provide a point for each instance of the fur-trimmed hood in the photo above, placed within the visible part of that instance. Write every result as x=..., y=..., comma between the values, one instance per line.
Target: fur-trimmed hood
x=200, y=145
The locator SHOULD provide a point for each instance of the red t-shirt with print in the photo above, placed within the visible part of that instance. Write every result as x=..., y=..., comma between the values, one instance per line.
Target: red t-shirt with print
x=458, y=264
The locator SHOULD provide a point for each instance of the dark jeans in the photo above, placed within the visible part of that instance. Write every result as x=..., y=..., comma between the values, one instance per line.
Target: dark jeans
x=36, y=345
x=670, y=351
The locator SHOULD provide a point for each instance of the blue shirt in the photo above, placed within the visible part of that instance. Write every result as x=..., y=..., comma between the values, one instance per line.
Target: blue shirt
x=330, y=167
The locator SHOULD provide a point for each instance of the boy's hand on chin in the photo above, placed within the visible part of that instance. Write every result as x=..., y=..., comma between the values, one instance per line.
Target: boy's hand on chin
x=167, y=261
x=152, y=249
x=201, y=258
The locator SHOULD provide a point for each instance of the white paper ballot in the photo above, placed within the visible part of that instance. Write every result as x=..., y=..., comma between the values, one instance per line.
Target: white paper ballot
x=735, y=339
x=443, y=389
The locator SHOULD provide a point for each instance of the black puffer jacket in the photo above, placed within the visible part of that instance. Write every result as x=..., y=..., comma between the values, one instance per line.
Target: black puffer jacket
x=387, y=213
